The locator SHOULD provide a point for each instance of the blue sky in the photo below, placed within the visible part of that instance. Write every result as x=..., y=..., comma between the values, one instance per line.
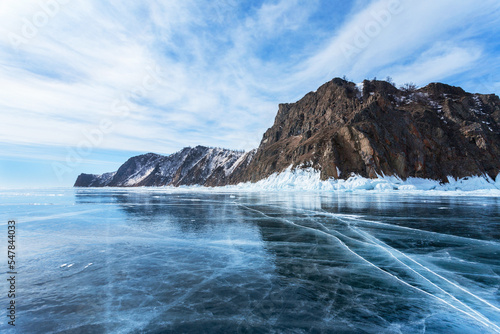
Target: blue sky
x=84, y=85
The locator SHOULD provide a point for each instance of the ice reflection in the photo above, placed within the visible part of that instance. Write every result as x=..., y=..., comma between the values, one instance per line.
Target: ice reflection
x=250, y=262
x=394, y=255
x=355, y=253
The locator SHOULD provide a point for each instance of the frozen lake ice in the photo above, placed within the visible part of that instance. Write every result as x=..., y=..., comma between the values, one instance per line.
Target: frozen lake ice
x=162, y=261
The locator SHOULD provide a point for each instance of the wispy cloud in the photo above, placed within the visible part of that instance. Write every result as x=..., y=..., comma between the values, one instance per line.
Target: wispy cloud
x=222, y=66
x=387, y=35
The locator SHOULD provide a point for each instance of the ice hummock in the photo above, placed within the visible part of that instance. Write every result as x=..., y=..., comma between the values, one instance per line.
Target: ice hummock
x=308, y=179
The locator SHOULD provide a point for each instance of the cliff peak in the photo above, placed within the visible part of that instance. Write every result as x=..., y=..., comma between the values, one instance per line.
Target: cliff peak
x=374, y=128
x=369, y=129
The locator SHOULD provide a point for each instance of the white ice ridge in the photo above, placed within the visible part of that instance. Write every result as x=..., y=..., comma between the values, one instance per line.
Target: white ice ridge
x=308, y=179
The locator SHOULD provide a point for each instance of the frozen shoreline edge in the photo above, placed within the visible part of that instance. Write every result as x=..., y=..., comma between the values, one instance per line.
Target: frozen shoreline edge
x=308, y=180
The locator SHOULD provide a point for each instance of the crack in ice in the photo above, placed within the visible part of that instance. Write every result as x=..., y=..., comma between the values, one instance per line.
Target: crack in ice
x=477, y=316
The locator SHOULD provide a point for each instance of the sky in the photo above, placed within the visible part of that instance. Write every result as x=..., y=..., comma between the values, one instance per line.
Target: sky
x=87, y=84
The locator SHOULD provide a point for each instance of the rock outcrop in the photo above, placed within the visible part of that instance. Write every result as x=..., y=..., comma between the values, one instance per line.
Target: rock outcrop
x=343, y=129
x=190, y=166
x=376, y=129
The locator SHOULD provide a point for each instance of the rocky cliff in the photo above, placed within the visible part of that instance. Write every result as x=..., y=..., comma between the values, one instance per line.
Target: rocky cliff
x=199, y=165
x=374, y=129
x=342, y=129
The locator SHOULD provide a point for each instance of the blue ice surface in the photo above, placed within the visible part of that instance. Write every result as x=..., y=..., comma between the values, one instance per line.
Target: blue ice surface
x=155, y=261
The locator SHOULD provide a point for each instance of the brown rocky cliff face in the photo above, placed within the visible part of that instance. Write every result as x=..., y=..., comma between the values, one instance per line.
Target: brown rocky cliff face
x=433, y=132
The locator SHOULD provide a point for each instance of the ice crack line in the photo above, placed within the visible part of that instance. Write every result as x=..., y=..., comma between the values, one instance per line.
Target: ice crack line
x=391, y=252
x=479, y=318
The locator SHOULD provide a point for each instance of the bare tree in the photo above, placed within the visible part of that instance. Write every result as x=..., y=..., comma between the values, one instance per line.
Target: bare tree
x=409, y=87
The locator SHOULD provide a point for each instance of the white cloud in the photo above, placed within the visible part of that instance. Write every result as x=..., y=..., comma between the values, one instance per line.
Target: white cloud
x=437, y=64
x=389, y=32
x=218, y=84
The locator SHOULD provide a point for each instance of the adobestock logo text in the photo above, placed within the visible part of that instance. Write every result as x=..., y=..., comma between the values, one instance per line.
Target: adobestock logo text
x=32, y=24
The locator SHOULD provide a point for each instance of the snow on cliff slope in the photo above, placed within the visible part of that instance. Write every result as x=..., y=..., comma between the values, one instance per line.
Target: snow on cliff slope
x=199, y=165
